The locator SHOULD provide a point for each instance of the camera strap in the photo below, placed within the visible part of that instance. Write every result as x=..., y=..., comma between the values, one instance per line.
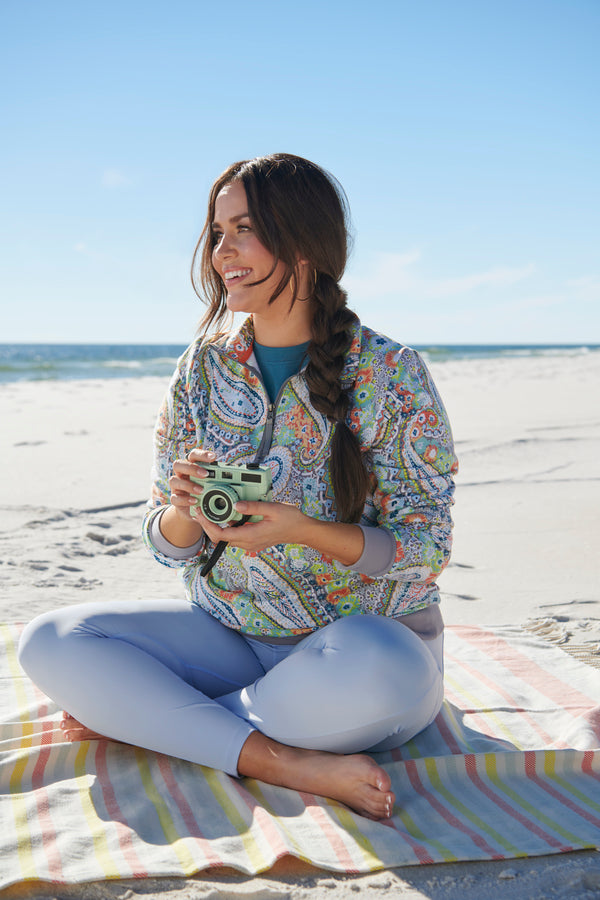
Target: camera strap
x=218, y=551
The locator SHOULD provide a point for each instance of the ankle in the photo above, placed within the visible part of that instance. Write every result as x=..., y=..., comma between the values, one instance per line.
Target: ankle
x=261, y=757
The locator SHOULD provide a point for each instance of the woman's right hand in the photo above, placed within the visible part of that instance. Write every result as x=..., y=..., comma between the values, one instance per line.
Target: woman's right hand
x=184, y=491
x=177, y=524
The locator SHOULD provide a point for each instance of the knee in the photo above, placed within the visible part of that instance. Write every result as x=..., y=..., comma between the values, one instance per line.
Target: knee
x=391, y=659
x=37, y=642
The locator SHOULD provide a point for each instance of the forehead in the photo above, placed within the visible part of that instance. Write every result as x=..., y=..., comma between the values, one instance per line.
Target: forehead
x=231, y=201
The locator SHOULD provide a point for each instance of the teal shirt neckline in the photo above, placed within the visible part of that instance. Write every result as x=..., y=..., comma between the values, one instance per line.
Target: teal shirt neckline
x=277, y=364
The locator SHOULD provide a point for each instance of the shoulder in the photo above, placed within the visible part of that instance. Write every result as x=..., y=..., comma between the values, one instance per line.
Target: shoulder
x=397, y=372
x=372, y=348
x=196, y=355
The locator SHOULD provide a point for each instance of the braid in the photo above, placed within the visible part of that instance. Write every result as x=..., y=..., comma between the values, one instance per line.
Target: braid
x=331, y=340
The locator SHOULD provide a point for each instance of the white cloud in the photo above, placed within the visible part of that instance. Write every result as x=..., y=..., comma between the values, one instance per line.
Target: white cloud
x=83, y=250
x=398, y=273
x=496, y=277
x=114, y=178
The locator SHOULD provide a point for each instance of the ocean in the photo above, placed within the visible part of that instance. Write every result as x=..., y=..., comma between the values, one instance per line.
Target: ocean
x=63, y=362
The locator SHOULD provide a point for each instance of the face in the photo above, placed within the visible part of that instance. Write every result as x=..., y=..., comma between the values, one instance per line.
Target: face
x=240, y=259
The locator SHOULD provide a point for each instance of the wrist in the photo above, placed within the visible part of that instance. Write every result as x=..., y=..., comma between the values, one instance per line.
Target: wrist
x=179, y=528
x=340, y=541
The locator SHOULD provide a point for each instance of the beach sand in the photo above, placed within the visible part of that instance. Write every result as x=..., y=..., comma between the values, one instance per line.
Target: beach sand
x=76, y=459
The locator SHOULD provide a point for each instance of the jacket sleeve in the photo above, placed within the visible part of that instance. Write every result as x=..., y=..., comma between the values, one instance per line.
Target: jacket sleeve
x=176, y=433
x=414, y=465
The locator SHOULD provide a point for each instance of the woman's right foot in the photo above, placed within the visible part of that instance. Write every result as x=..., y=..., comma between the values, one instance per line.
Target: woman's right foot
x=355, y=780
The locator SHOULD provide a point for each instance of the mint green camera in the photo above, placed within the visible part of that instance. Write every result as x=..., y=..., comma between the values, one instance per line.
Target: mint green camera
x=225, y=485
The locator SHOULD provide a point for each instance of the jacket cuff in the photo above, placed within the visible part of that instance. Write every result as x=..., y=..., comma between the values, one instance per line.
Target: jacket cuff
x=378, y=553
x=165, y=547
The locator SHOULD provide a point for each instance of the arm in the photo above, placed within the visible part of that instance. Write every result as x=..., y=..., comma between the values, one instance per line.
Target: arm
x=414, y=464
x=284, y=523
x=168, y=526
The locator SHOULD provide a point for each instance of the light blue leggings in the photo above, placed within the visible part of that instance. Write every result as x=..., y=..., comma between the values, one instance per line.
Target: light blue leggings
x=167, y=676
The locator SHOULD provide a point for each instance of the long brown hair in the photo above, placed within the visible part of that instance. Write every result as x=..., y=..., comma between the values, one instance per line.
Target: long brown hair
x=299, y=211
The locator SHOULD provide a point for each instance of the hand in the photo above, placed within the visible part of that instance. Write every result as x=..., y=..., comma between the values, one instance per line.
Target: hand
x=282, y=523
x=177, y=524
x=184, y=492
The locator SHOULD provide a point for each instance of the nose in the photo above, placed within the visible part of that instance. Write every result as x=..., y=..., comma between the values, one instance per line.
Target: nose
x=224, y=248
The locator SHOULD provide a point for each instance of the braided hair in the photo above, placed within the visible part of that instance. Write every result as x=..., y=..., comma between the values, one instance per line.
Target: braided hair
x=299, y=211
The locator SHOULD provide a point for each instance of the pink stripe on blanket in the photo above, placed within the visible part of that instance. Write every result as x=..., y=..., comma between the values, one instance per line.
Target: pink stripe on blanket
x=559, y=691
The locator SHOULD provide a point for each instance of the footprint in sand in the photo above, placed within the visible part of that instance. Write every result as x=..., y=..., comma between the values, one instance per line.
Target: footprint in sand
x=118, y=545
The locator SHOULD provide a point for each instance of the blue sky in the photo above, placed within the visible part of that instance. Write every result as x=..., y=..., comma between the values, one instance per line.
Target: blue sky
x=466, y=135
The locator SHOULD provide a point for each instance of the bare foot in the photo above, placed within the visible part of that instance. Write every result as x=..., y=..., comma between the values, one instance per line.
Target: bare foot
x=355, y=780
x=75, y=731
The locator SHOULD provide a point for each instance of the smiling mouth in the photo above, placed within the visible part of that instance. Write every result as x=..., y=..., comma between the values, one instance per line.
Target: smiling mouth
x=233, y=276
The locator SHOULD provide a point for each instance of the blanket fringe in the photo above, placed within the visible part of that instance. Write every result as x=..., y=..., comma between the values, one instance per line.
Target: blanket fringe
x=555, y=632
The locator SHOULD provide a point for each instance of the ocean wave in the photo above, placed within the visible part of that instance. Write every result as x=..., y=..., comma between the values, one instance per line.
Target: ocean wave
x=65, y=362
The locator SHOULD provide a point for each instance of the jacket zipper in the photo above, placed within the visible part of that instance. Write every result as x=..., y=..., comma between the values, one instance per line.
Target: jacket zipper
x=265, y=444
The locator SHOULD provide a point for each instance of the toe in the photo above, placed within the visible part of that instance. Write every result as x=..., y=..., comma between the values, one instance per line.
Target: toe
x=377, y=805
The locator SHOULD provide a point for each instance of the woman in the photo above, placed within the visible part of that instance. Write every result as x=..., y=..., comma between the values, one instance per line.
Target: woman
x=316, y=634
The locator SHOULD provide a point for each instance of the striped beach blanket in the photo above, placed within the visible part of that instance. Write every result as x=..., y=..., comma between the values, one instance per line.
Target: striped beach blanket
x=510, y=768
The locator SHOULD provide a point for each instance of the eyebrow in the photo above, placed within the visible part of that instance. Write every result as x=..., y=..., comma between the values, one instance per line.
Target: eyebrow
x=233, y=219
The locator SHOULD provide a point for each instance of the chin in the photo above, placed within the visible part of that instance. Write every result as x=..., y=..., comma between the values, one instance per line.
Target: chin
x=237, y=305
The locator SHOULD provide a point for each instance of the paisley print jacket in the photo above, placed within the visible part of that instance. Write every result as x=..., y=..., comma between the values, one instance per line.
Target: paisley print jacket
x=217, y=400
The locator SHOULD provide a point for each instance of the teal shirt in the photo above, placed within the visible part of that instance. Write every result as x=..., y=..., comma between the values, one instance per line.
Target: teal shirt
x=277, y=364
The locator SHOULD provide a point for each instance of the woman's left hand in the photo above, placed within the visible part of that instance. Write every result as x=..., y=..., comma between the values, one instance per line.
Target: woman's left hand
x=282, y=523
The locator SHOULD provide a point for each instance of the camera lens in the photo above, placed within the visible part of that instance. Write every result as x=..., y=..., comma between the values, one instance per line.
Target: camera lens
x=217, y=504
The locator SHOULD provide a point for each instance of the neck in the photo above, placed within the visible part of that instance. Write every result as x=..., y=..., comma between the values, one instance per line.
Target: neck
x=286, y=330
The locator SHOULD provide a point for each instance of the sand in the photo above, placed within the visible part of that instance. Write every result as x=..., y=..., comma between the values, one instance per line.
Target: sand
x=76, y=459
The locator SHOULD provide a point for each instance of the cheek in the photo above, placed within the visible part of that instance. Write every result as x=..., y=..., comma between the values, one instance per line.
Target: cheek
x=257, y=254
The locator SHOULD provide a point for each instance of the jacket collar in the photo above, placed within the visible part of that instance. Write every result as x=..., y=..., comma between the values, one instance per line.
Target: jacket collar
x=239, y=346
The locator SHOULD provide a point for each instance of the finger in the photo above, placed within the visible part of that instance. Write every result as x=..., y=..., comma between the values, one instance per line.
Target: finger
x=184, y=468
x=214, y=532
x=200, y=455
x=183, y=503
x=182, y=485
x=253, y=507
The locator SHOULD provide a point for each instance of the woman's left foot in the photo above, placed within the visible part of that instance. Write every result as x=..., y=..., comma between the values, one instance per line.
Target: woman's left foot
x=75, y=731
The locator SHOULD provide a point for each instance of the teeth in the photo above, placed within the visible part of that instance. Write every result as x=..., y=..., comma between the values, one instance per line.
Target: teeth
x=235, y=274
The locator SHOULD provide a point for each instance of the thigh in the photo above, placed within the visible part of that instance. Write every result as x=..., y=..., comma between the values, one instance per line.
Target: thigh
x=187, y=640
x=347, y=687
